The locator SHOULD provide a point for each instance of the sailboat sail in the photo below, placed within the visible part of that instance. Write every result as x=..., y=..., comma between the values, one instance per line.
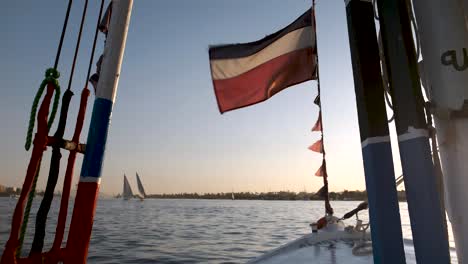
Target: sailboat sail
x=140, y=186
x=127, y=190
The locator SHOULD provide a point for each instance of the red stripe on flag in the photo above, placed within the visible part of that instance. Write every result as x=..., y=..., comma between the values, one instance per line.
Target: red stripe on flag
x=317, y=146
x=264, y=81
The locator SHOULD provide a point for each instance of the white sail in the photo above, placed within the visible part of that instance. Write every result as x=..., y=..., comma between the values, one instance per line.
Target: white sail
x=127, y=190
x=140, y=186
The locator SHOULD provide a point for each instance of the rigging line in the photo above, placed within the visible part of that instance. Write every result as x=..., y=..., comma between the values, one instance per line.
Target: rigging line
x=64, y=29
x=83, y=17
x=44, y=208
x=376, y=16
x=62, y=217
x=409, y=6
x=386, y=83
x=94, y=43
x=328, y=208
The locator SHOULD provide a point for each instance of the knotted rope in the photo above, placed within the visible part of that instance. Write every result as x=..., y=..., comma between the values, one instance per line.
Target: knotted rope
x=51, y=76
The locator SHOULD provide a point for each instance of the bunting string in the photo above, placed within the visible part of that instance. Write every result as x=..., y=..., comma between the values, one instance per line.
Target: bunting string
x=319, y=146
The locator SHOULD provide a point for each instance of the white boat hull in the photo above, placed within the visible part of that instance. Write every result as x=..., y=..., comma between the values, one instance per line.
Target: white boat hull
x=330, y=247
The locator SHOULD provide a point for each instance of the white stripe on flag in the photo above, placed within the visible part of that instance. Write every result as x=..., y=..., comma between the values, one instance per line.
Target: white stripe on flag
x=295, y=40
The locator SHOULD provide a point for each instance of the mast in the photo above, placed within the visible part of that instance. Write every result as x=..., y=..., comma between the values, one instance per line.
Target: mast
x=427, y=222
x=444, y=44
x=88, y=187
x=387, y=240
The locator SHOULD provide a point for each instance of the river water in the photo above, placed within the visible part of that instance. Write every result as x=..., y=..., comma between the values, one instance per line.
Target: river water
x=190, y=231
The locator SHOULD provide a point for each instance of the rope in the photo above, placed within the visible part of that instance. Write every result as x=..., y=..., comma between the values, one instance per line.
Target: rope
x=94, y=42
x=51, y=77
x=40, y=143
x=27, y=211
x=44, y=208
x=409, y=7
x=62, y=217
x=14, y=245
x=386, y=83
x=41, y=217
x=78, y=41
x=328, y=208
x=375, y=11
x=64, y=29
x=437, y=165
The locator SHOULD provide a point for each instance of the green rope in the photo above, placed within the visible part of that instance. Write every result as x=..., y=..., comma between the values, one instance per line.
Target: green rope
x=51, y=76
x=27, y=211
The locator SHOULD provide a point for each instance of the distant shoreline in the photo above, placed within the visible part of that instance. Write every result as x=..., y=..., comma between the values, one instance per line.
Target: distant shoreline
x=272, y=196
x=268, y=196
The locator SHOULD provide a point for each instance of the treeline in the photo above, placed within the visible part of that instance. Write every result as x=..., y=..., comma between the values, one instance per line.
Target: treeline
x=17, y=191
x=289, y=196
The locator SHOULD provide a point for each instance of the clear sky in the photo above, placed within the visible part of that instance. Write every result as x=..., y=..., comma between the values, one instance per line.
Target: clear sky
x=166, y=125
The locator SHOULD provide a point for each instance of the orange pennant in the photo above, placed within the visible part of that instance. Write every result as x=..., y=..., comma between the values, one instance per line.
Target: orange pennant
x=317, y=146
x=319, y=172
x=322, y=171
x=318, y=124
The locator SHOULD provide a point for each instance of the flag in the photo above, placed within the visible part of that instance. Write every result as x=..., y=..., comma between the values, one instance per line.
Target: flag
x=249, y=73
x=318, y=123
x=317, y=146
x=322, y=171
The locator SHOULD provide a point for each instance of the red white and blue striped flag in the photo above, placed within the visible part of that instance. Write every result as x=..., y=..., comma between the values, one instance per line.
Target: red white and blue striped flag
x=249, y=73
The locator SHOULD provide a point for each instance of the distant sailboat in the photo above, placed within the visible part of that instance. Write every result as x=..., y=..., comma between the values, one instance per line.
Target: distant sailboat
x=232, y=196
x=140, y=186
x=127, y=190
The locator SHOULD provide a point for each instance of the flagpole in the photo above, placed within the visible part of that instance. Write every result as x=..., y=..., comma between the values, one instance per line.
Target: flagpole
x=328, y=208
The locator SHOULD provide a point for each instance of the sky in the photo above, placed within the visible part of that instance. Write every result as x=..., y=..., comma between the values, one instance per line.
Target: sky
x=166, y=125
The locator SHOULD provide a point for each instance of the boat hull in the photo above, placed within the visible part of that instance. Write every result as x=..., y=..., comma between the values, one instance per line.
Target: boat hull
x=327, y=247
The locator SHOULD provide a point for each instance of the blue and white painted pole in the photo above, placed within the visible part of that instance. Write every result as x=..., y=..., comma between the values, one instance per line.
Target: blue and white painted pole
x=88, y=187
x=387, y=240
x=427, y=221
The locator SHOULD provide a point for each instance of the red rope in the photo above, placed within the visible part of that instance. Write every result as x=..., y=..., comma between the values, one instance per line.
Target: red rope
x=40, y=144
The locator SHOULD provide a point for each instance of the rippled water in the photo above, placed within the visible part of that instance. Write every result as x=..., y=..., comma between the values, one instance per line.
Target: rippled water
x=191, y=231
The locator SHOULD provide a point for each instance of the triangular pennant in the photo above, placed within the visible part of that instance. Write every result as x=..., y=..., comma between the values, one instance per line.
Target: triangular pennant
x=322, y=192
x=317, y=100
x=317, y=146
x=318, y=123
x=319, y=172
x=322, y=171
